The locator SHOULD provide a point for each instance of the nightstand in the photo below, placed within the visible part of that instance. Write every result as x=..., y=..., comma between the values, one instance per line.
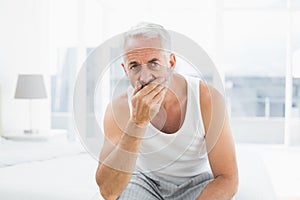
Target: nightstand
x=42, y=135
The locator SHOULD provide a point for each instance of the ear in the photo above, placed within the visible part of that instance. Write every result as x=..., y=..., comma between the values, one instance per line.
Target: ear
x=123, y=66
x=172, y=61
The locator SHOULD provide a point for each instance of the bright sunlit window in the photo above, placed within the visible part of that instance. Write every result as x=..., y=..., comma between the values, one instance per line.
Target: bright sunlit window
x=252, y=36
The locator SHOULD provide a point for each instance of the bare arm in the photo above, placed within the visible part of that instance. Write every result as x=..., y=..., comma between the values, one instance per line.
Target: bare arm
x=117, y=160
x=220, y=146
x=123, y=138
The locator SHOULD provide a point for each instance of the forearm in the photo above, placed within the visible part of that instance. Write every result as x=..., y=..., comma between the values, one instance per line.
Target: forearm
x=115, y=171
x=221, y=188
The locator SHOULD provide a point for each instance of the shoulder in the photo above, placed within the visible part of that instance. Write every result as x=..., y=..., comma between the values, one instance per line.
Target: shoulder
x=120, y=104
x=209, y=96
x=206, y=95
x=116, y=115
x=211, y=103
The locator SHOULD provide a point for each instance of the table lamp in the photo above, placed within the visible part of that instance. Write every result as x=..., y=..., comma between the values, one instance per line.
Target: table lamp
x=30, y=86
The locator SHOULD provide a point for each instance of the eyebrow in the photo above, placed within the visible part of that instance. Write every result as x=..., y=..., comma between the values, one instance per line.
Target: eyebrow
x=153, y=59
x=136, y=63
x=133, y=63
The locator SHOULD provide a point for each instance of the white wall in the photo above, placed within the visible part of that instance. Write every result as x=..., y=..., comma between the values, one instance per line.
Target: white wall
x=24, y=39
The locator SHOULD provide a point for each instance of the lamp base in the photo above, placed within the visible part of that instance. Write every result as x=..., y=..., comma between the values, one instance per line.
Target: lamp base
x=31, y=131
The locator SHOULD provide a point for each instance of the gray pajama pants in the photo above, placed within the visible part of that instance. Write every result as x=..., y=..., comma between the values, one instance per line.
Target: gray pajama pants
x=144, y=187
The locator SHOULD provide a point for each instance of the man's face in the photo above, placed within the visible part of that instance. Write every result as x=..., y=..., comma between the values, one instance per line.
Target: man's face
x=145, y=61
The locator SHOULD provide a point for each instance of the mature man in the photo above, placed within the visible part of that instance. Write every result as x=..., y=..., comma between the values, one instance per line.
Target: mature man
x=168, y=136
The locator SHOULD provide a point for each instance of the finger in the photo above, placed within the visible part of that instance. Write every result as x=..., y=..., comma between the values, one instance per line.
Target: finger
x=138, y=87
x=151, y=87
x=149, y=96
x=158, y=80
x=160, y=100
x=155, y=105
x=159, y=97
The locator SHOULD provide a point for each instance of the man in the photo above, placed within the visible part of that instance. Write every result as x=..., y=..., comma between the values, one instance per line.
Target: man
x=168, y=137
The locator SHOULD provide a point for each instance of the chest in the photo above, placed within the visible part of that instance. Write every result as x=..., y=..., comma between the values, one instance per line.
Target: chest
x=169, y=120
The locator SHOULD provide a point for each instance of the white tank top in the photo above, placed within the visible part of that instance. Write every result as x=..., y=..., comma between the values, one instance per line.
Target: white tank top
x=179, y=156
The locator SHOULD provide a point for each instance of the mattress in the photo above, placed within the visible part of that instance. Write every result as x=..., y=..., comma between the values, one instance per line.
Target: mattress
x=63, y=171
x=45, y=170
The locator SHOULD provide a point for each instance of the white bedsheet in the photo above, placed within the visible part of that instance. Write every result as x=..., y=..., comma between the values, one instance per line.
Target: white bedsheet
x=59, y=170
x=254, y=180
x=63, y=171
x=17, y=152
x=64, y=178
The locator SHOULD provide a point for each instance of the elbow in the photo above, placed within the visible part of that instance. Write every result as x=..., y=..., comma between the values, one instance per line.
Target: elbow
x=107, y=195
x=105, y=192
x=232, y=184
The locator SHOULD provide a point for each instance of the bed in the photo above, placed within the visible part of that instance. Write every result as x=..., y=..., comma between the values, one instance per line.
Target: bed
x=64, y=170
x=46, y=170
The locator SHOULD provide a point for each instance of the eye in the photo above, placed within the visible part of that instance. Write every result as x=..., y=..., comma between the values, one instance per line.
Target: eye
x=153, y=64
x=135, y=67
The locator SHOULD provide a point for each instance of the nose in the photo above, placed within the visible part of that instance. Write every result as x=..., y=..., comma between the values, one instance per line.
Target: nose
x=145, y=76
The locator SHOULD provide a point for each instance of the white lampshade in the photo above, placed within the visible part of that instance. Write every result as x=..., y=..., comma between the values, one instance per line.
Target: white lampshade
x=30, y=86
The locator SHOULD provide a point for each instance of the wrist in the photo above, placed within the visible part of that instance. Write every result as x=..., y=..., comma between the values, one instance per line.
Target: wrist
x=138, y=124
x=135, y=129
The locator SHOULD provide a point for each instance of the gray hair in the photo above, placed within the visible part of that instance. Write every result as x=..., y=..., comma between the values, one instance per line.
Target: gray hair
x=150, y=30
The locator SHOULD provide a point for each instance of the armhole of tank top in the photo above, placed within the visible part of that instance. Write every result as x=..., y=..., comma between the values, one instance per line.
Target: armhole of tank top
x=196, y=88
